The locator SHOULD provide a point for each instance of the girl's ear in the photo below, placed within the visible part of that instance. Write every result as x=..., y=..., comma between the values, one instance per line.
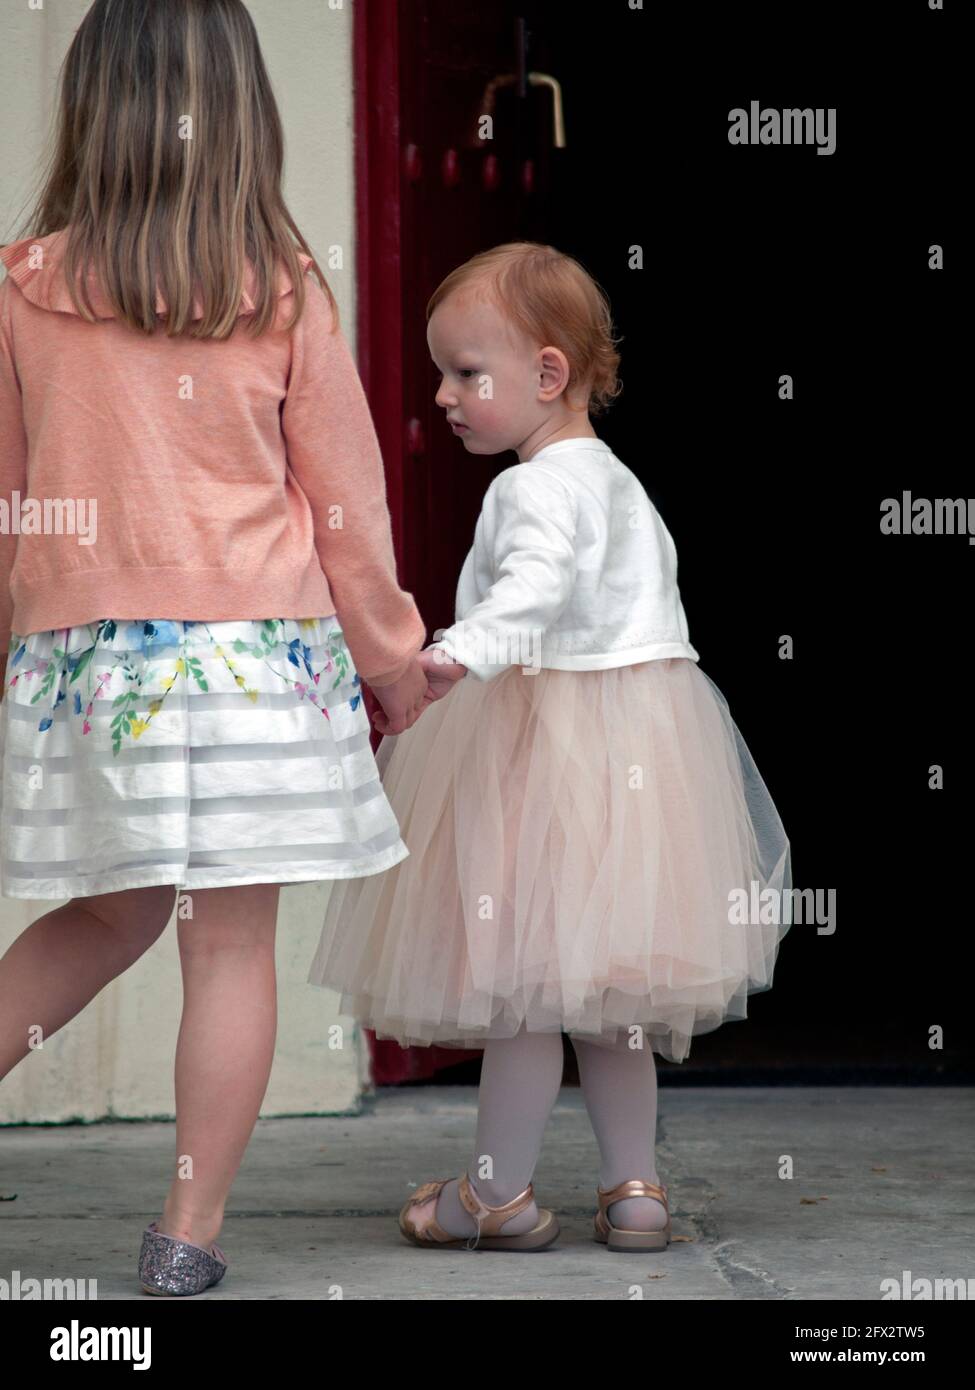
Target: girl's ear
x=553, y=372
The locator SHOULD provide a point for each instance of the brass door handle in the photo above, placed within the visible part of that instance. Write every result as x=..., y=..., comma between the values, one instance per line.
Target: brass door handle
x=544, y=79
x=536, y=79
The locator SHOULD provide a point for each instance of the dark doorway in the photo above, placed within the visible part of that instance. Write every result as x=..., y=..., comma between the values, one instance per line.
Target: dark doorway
x=726, y=267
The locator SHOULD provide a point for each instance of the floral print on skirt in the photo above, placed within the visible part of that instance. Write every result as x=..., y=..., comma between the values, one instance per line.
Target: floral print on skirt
x=202, y=754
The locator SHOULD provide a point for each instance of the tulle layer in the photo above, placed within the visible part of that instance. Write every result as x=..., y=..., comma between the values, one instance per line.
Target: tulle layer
x=589, y=851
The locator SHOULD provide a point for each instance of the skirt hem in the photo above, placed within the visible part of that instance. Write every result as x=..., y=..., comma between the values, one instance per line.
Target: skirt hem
x=121, y=880
x=659, y=1035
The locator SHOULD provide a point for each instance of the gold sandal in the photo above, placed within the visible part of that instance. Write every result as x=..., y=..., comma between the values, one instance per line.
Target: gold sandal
x=618, y=1238
x=417, y=1220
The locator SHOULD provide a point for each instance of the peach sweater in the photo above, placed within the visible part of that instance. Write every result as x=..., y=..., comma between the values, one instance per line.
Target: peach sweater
x=145, y=477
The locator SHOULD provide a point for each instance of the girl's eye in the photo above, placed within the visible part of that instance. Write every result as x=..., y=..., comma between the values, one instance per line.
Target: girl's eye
x=467, y=371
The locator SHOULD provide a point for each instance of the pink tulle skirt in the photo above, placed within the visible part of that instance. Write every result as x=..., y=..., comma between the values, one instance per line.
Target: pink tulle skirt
x=590, y=851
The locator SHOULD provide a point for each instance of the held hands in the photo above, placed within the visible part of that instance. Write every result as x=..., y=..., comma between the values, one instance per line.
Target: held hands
x=442, y=673
x=426, y=679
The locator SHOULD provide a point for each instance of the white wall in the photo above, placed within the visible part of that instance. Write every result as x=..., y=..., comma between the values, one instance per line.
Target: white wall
x=115, y=1059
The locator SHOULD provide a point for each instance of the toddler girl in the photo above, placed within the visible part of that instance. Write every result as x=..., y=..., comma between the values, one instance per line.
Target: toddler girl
x=578, y=803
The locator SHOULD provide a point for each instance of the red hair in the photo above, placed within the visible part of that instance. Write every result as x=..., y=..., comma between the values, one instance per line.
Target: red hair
x=554, y=302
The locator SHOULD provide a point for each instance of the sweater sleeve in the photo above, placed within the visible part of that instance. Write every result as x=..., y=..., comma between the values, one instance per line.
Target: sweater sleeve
x=534, y=564
x=334, y=455
x=13, y=464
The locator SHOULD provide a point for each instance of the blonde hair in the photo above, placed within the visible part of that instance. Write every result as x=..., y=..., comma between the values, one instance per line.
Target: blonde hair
x=553, y=301
x=148, y=208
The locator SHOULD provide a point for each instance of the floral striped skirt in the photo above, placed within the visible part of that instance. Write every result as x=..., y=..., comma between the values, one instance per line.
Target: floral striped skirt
x=202, y=754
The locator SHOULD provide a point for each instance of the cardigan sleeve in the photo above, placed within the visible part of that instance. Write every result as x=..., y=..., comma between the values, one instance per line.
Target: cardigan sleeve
x=535, y=516
x=13, y=464
x=334, y=455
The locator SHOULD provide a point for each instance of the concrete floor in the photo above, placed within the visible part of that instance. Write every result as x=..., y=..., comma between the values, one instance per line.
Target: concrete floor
x=882, y=1184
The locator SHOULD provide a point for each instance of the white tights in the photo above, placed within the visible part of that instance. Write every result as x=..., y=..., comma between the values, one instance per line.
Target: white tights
x=520, y=1080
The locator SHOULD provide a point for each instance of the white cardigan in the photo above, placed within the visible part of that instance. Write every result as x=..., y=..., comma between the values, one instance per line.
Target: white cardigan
x=572, y=567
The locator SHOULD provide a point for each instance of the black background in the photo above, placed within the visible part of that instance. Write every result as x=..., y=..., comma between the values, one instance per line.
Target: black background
x=760, y=261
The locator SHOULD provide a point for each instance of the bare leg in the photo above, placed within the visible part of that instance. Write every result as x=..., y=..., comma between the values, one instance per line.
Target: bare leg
x=520, y=1080
x=620, y=1089
x=61, y=961
x=225, y=1049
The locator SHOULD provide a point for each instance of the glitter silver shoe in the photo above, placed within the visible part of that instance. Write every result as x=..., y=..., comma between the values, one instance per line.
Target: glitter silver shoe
x=171, y=1266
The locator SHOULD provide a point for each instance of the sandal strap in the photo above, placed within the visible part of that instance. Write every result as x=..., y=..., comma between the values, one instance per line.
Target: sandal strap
x=425, y=1190
x=633, y=1187
x=491, y=1219
x=432, y=1232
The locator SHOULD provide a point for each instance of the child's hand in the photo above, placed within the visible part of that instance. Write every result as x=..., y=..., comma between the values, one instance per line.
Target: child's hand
x=402, y=702
x=442, y=673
